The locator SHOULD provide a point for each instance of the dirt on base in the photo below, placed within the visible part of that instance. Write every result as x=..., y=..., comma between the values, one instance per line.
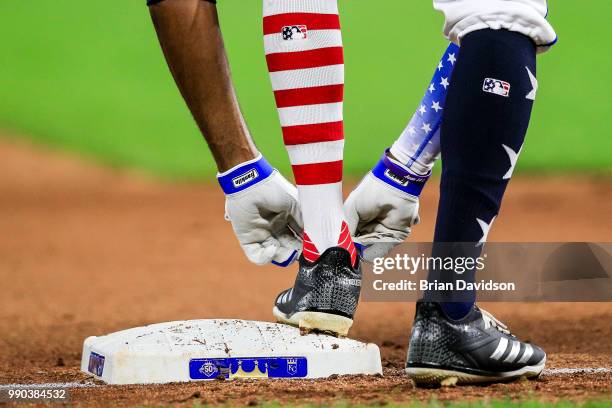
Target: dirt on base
x=87, y=251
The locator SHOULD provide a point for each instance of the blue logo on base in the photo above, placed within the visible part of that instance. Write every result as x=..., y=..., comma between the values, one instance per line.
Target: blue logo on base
x=248, y=367
x=96, y=364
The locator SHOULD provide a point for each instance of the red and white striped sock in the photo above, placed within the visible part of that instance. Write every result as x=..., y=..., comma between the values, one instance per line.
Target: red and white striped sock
x=303, y=45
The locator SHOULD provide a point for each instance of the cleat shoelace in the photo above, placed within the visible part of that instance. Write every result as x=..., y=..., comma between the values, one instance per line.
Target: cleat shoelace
x=491, y=321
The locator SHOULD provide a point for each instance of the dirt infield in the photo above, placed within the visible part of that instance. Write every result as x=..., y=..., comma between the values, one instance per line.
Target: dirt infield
x=85, y=251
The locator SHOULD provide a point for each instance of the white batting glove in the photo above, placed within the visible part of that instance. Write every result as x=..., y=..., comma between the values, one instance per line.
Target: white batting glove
x=263, y=209
x=383, y=207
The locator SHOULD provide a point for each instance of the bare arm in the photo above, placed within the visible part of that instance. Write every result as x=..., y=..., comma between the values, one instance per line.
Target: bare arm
x=190, y=37
x=261, y=204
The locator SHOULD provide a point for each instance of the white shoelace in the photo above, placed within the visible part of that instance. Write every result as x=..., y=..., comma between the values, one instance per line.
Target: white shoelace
x=491, y=321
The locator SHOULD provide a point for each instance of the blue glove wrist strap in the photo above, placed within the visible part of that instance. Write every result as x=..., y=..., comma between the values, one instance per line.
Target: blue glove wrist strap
x=400, y=177
x=245, y=175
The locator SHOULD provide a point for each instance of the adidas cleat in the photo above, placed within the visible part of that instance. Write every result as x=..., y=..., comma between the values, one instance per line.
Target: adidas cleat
x=475, y=349
x=325, y=295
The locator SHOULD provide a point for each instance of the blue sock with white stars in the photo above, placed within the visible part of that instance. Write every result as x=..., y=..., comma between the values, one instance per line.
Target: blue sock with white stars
x=418, y=147
x=486, y=116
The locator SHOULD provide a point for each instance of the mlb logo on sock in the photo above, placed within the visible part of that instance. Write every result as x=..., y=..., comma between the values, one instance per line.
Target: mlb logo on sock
x=496, y=86
x=296, y=32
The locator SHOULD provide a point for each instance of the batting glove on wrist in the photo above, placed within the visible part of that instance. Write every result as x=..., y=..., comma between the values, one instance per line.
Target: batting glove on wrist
x=263, y=209
x=383, y=207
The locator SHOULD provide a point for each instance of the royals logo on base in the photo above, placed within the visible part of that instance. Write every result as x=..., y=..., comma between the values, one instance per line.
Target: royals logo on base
x=292, y=366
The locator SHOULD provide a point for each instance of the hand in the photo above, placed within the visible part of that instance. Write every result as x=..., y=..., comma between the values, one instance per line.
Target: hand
x=264, y=211
x=383, y=208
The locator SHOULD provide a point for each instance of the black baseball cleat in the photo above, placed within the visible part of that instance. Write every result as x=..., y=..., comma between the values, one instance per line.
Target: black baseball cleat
x=325, y=295
x=475, y=349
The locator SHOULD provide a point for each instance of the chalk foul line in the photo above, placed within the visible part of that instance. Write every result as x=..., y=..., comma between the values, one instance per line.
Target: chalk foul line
x=49, y=385
x=576, y=370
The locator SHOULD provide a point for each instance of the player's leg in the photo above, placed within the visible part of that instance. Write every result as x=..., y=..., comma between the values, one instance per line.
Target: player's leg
x=486, y=116
x=303, y=46
x=304, y=53
x=486, y=119
x=487, y=113
x=260, y=202
x=384, y=206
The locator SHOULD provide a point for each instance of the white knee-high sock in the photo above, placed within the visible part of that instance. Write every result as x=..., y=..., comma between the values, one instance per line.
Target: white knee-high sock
x=303, y=46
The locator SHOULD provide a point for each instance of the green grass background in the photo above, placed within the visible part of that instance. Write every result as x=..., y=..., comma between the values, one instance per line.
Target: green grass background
x=88, y=76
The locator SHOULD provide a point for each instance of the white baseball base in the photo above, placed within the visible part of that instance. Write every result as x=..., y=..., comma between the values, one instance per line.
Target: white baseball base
x=210, y=349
